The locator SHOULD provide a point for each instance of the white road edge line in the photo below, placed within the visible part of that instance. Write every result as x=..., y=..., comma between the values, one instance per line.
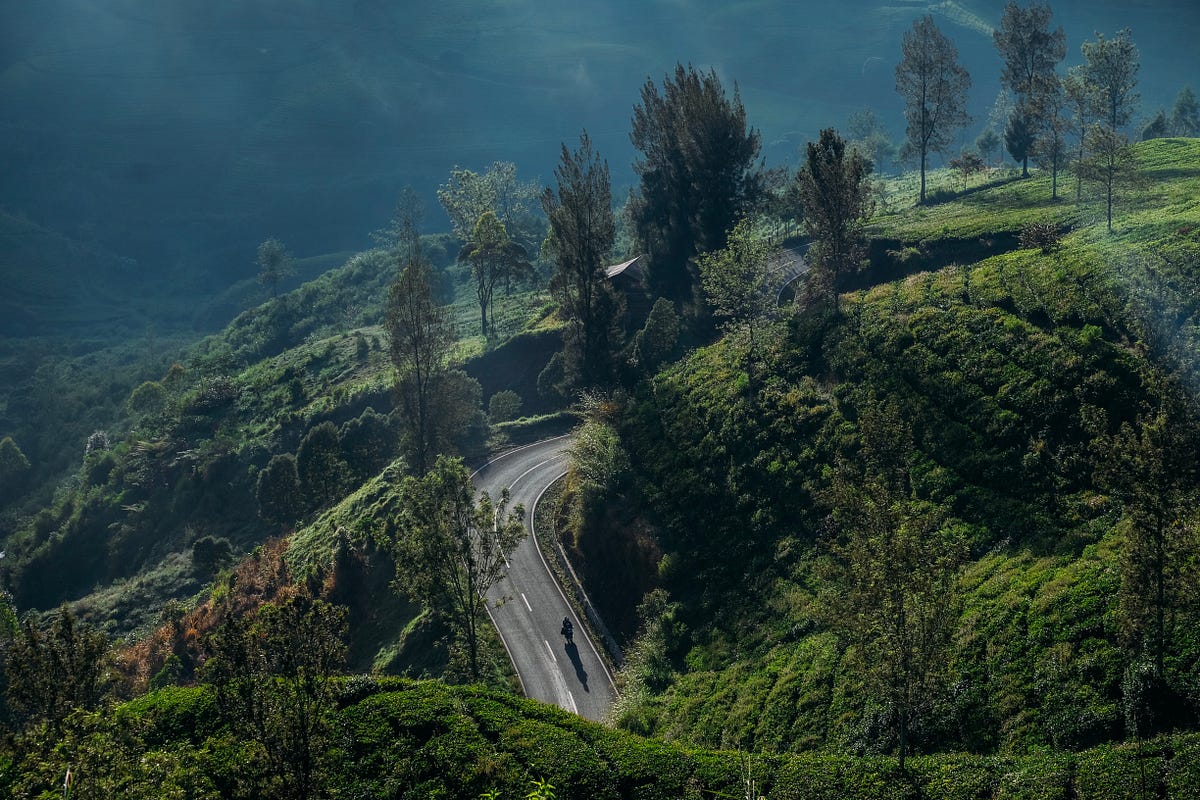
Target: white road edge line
x=551, y=651
x=574, y=708
x=527, y=602
x=507, y=649
x=570, y=608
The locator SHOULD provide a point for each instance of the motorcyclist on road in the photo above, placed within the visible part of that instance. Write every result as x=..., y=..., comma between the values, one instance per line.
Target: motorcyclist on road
x=567, y=628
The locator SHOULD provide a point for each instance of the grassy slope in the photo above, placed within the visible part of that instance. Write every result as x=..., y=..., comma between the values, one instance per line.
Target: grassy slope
x=998, y=364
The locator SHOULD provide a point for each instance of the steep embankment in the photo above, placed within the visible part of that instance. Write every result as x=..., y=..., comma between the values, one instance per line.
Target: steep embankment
x=1012, y=375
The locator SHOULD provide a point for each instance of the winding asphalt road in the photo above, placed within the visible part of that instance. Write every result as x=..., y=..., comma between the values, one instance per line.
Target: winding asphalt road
x=528, y=606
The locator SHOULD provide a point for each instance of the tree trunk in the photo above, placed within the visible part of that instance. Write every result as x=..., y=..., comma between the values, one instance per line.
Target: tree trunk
x=473, y=645
x=1160, y=599
x=1078, y=172
x=1110, y=199
x=922, y=178
x=1025, y=167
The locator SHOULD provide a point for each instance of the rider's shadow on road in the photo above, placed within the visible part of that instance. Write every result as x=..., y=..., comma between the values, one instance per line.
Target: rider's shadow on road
x=580, y=672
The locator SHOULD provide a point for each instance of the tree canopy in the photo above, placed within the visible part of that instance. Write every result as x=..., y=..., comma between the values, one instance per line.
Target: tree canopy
x=420, y=337
x=494, y=257
x=452, y=547
x=836, y=194
x=934, y=87
x=697, y=175
x=1110, y=71
x=274, y=265
x=583, y=229
x=1031, y=52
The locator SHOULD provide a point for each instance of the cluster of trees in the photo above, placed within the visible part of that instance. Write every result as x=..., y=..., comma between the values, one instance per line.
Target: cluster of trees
x=1041, y=108
x=492, y=215
x=329, y=462
x=1095, y=100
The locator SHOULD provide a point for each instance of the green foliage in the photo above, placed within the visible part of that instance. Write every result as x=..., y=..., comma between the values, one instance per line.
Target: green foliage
x=274, y=265
x=468, y=195
x=657, y=341
x=273, y=681
x=504, y=406
x=1111, y=164
x=892, y=571
x=278, y=491
x=13, y=466
x=1019, y=137
x=1157, y=128
x=598, y=465
x=210, y=553
x=54, y=672
x=321, y=469
x=934, y=88
x=451, y=548
x=493, y=258
x=1109, y=72
x=368, y=444
x=583, y=230
x=836, y=194
x=740, y=281
x=697, y=175
x=425, y=739
x=420, y=339
x=147, y=399
x=1185, y=114
x=869, y=136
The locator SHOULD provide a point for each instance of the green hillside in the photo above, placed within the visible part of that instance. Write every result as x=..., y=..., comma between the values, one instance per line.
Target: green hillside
x=414, y=740
x=1010, y=379
x=175, y=454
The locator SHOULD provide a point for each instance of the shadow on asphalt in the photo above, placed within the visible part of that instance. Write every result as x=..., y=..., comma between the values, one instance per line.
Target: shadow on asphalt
x=580, y=672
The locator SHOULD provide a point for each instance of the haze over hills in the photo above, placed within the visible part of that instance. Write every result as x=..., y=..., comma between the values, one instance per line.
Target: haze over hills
x=180, y=136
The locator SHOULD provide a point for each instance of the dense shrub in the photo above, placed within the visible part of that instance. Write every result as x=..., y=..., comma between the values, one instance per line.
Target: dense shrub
x=1044, y=236
x=504, y=406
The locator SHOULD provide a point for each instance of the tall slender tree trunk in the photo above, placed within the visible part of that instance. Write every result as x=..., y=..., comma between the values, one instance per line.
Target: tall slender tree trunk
x=1078, y=173
x=1160, y=599
x=923, y=158
x=473, y=644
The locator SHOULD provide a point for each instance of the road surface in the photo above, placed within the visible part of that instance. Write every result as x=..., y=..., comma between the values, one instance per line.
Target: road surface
x=791, y=266
x=531, y=606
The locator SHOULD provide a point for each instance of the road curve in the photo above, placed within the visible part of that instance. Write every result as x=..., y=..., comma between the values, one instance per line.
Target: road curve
x=791, y=266
x=528, y=606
